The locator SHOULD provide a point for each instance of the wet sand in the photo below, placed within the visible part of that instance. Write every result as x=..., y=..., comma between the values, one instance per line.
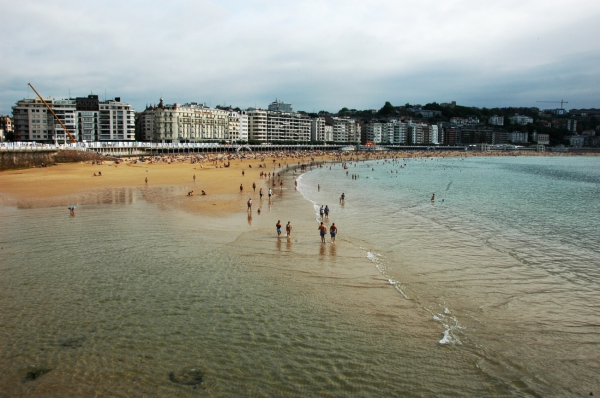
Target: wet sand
x=69, y=184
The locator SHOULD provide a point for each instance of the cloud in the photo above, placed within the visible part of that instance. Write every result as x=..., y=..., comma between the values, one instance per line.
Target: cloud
x=317, y=55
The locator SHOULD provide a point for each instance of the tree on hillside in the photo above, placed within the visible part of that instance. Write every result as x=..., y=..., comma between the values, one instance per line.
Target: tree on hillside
x=343, y=111
x=387, y=110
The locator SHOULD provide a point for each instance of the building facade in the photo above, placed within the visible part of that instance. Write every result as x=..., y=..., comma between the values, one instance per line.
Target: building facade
x=86, y=119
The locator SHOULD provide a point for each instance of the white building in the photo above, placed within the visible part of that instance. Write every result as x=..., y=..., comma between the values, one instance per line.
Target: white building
x=190, y=123
x=86, y=119
x=400, y=134
x=373, y=132
x=284, y=126
x=496, y=120
x=344, y=129
x=518, y=137
x=317, y=129
x=257, y=124
x=278, y=106
x=519, y=119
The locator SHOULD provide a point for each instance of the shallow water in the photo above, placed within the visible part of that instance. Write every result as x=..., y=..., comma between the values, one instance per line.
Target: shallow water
x=477, y=295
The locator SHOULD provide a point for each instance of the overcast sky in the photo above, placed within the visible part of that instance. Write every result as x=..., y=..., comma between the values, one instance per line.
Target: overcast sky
x=318, y=55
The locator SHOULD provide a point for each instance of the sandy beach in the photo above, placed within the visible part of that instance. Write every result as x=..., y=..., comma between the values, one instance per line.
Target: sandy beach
x=219, y=175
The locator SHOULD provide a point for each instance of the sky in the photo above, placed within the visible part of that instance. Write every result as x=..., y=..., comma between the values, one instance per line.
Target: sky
x=317, y=55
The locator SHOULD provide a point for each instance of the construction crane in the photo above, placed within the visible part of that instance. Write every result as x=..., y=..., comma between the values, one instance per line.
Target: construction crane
x=73, y=140
x=561, y=102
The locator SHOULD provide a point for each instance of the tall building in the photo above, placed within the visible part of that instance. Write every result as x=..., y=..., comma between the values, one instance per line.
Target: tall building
x=86, y=119
x=344, y=129
x=283, y=126
x=317, y=129
x=257, y=124
x=278, y=106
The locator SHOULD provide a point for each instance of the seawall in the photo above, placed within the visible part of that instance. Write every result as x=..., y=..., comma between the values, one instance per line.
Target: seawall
x=23, y=159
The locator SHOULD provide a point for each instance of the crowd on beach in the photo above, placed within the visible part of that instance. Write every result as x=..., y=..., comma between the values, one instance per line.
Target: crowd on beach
x=270, y=165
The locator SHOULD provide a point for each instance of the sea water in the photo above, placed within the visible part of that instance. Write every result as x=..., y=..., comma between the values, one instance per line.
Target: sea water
x=488, y=290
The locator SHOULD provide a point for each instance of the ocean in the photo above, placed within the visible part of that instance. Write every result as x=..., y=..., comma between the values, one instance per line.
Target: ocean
x=489, y=290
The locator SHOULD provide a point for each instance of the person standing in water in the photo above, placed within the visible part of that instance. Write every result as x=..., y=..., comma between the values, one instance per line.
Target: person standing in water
x=278, y=226
x=250, y=205
x=321, y=211
x=288, y=229
x=260, y=193
x=333, y=232
x=322, y=231
x=326, y=212
x=432, y=197
x=343, y=198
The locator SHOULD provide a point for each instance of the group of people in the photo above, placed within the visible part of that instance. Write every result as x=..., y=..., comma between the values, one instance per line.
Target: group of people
x=324, y=212
x=322, y=230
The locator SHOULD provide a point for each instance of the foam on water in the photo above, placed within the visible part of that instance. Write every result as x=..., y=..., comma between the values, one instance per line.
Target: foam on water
x=376, y=259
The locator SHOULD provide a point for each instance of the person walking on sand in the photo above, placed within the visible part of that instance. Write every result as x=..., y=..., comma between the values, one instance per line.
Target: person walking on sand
x=250, y=204
x=254, y=186
x=260, y=193
x=194, y=177
x=146, y=180
x=343, y=198
x=278, y=226
x=288, y=229
x=333, y=232
x=241, y=188
x=322, y=231
x=270, y=193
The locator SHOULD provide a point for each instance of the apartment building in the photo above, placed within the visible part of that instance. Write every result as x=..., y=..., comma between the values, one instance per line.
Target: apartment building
x=520, y=119
x=6, y=124
x=518, y=137
x=317, y=129
x=278, y=106
x=86, y=119
x=344, y=129
x=496, y=120
x=191, y=122
x=284, y=126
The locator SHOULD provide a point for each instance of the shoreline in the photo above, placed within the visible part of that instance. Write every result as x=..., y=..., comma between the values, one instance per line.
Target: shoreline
x=218, y=175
